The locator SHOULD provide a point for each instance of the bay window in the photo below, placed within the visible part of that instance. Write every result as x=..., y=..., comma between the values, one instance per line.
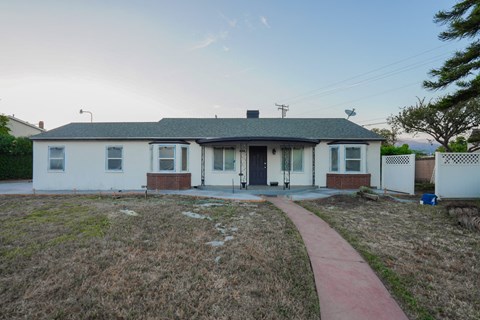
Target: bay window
x=347, y=158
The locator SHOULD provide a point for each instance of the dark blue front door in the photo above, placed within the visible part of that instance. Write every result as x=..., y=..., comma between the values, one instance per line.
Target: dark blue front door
x=257, y=162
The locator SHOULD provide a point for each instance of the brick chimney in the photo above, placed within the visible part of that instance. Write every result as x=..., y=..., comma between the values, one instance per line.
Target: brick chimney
x=41, y=125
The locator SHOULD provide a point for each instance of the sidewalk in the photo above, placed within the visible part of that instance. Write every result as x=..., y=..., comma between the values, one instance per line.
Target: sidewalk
x=347, y=287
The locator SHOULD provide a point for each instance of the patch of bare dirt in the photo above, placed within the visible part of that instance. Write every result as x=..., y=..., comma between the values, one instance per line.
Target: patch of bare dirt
x=81, y=257
x=426, y=247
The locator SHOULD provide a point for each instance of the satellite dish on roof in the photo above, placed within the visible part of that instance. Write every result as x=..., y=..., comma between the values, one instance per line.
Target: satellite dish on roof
x=350, y=113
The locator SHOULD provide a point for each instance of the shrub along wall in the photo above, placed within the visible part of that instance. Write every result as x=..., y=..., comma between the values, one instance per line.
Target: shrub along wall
x=16, y=167
x=16, y=158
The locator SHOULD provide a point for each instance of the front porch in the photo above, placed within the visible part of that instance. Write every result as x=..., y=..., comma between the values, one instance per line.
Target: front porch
x=259, y=190
x=258, y=162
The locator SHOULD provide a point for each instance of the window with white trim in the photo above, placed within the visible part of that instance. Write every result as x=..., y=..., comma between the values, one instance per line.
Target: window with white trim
x=224, y=159
x=56, y=158
x=151, y=158
x=296, y=160
x=166, y=157
x=334, y=159
x=353, y=159
x=114, y=158
x=184, y=158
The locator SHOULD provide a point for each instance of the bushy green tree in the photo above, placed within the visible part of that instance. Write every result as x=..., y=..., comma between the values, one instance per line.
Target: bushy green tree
x=459, y=145
x=392, y=150
x=3, y=125
x=441, y=124
x=391, y=136
x=462, y=21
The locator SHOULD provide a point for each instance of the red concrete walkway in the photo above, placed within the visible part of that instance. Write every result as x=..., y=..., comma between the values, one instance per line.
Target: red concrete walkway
x=347, y=287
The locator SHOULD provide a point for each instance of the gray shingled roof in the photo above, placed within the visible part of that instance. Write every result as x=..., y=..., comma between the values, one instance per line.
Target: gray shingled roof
x=194, y=128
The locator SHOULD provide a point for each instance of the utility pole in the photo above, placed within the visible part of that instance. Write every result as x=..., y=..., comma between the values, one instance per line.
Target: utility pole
x=284, y=109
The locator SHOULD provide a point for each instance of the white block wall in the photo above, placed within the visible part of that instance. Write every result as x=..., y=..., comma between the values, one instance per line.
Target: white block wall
x=457, y=175
x=398, y=173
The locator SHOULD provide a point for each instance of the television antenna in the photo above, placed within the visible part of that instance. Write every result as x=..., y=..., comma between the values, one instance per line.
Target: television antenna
x=350, y=113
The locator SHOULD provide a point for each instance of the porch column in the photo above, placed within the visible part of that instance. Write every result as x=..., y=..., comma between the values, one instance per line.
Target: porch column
x=202, y=166
x=286, y=156
x=243, y=166
x=313, y=166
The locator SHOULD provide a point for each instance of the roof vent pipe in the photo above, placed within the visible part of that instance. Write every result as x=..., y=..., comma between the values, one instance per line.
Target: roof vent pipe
x=253, y=114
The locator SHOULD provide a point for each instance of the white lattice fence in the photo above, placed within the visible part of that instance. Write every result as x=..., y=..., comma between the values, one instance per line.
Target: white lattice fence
x=398, y=173
x=457, y=175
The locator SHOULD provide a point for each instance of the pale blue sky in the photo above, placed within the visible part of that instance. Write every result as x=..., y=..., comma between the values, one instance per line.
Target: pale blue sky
x=145, y=60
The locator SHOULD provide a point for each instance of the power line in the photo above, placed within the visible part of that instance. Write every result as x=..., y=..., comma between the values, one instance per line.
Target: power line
x=374, y=78
x=363, y=98
x=374, y=119
x=365, y=73
x=373, y=124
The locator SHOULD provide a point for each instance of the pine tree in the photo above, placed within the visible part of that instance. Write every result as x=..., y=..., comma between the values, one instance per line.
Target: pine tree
x=463, y=21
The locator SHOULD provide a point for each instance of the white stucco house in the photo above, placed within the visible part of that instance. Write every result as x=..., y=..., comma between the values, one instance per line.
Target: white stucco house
x=181, y=153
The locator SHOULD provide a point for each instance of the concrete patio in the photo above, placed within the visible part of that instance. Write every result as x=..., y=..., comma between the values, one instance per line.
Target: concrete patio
x=253, y=193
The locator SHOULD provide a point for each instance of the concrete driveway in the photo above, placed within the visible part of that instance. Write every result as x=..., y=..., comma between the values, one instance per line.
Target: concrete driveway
x=16, y=187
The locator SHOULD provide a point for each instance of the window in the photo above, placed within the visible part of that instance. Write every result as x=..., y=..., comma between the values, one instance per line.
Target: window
x=184, y=159
x=224, y=159
x=334, y=159
x=151, y=158
x=166, y=156
x=353, y=156
x=297, y=159
x=294, y=159
x=114, y=158
x=56, y=158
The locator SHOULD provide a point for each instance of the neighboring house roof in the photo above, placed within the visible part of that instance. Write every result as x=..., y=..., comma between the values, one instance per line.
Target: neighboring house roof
x=22, y=128
x=199, y=128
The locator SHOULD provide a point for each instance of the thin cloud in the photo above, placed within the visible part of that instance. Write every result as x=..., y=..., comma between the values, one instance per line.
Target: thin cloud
x=209, y=40
x=226, y=49
x=264, y=21
x=238, y=73
x=231, y=22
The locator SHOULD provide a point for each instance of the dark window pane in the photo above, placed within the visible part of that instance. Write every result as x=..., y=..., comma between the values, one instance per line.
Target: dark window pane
x=297, y=159
x=217, y=159
x=352, y=165
x=334, y=159
x=56, y=153
x=184, y=159
x=352, y=153
x=229, y=159
x=286, y=154
x=166, y=152
x=114, y=152
x=167, y=165
x=114, y=164
x=56, y=164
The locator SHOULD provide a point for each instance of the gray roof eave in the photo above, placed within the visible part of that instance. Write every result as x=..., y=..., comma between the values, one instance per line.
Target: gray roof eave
x=91, y=138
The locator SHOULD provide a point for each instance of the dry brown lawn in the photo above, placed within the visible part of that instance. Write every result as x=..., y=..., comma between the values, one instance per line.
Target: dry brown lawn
x=82, y=257
x=429, y=262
